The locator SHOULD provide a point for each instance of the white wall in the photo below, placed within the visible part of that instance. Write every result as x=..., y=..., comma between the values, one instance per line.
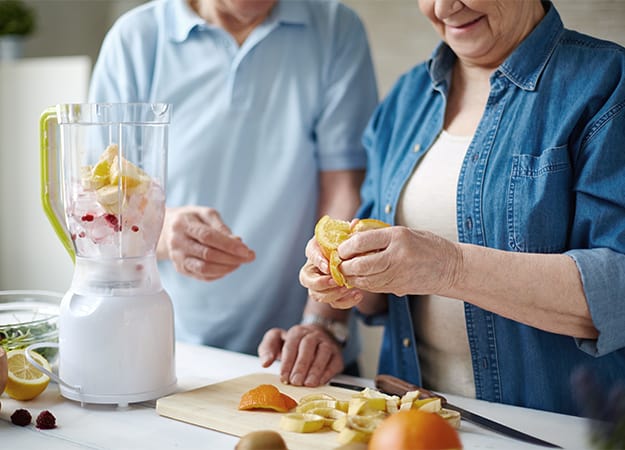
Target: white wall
x=31, y=257
x=400, y=37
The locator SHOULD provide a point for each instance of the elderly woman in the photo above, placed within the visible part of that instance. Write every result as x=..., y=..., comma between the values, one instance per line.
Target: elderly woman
x=501, y=163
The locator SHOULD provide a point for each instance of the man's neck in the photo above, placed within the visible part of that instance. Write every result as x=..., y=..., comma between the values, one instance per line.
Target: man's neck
x=240, y=26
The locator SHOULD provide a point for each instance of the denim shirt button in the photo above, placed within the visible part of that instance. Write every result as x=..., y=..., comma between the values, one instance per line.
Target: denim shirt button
x=406, y=342
x=387, y=208
x=484, y=363
x=416, y=148
x=476, y=156
x=469, y=223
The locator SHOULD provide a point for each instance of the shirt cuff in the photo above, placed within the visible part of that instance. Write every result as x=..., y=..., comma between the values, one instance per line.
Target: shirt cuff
x=601, y=271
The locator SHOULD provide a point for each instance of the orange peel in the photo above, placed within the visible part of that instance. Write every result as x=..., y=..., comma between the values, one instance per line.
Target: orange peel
x=266, y=396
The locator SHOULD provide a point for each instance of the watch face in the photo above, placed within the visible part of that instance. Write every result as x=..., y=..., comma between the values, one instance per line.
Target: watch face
x=340, y=331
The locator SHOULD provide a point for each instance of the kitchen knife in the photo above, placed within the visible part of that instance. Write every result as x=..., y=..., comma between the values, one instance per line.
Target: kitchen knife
x=395, y=386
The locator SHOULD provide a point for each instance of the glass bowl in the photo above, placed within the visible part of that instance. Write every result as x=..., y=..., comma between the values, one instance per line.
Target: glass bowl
x=29, y=317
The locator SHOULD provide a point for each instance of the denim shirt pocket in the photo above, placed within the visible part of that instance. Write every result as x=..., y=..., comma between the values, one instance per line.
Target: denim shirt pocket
x=539, y=200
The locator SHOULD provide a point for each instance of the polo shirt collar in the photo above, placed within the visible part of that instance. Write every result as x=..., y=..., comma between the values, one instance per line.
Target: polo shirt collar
x=180, y=19
x=524, y=66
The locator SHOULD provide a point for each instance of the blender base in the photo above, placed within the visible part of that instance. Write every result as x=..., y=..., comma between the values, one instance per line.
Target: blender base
x=116, y=349
x=121, y=401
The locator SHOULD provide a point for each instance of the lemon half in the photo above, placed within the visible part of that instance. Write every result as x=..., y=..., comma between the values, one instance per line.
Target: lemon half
x=24, y=381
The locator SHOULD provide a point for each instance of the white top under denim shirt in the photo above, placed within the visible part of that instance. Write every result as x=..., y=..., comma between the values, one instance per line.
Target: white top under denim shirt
x=545, y=172
x=428, y=202
x=252, y=127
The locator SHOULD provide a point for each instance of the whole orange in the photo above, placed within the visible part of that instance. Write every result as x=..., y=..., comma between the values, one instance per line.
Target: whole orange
x=414, y=430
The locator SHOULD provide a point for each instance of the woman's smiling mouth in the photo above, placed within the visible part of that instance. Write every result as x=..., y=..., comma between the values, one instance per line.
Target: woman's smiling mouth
x=465, y=25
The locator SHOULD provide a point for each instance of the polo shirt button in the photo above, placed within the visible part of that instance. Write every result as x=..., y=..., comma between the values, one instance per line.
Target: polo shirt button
x=416, y=148
x=406, y=342
x=387, y=208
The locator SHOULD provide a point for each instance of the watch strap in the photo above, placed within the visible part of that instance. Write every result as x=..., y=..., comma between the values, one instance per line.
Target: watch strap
x=339, y=330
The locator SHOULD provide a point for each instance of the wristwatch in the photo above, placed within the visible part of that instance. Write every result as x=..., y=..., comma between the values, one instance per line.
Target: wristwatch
x=337, y=329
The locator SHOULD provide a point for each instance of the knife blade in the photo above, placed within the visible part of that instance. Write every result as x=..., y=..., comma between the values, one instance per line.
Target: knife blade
x=396, y=386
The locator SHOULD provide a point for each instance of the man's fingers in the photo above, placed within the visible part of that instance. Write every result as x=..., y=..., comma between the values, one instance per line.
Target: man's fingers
x=324, y=354
x=306, y=355
x=205, y=226
x=270, y=347
x=334, y=367
x=289, y=352
x=212, y=237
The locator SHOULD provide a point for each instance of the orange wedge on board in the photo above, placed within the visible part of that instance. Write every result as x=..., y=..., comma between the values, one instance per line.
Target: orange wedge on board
x=266, y=396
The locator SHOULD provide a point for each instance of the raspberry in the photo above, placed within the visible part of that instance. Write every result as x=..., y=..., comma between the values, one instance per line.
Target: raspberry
x=45, y=420
x=21, y=417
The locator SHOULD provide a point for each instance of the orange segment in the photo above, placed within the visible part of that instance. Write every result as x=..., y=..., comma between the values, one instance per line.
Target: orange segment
x=266, y=396
x=329, y=234
x=368, y=224
x=336, y=273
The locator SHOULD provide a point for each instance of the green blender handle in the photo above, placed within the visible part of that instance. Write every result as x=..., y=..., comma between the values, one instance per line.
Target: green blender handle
x=49, y=158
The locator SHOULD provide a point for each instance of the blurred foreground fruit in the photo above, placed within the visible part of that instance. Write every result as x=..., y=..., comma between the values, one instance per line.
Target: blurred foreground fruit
x=329, y=234
x=266, y=396
x=3, y=370
x=604, y=405
x=24, y=381
x=415, y=430
x=261, y=440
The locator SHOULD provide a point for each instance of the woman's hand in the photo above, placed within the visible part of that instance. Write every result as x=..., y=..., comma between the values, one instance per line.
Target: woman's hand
x=309, y=355
x=315, y=276
x=400, y=260
x=200, y=245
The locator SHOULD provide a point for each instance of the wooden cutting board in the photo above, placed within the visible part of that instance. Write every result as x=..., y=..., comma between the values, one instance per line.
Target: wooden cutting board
x=216, y=407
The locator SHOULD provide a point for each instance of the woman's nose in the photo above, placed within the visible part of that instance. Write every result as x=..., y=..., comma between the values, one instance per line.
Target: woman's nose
x=446, y=8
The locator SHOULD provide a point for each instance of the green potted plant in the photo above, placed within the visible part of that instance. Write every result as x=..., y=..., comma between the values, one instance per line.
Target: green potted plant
x=17, y=20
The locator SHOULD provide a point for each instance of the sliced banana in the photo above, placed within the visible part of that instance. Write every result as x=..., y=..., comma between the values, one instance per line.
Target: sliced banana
x=301, y=423
x=452, y=417
x=329, y=414
x=363, y=406
x=315, y=404
x=314, y=397
x=432, y=404
x=348, y=435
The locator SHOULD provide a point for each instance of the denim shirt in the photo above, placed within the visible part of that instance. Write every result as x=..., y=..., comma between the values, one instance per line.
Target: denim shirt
x=545, y=173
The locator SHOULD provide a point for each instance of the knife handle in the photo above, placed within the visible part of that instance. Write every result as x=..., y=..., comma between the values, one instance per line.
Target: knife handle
x=397, y=386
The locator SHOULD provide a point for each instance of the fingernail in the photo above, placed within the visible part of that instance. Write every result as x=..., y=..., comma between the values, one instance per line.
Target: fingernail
x=296, y=379
x=311, y=381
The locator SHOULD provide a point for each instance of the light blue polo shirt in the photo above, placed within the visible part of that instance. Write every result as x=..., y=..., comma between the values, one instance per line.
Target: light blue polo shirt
x=252, y=127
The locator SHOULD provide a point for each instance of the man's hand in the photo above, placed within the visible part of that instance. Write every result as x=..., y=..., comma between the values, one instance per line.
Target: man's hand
x=200, y=245
x=309, y=355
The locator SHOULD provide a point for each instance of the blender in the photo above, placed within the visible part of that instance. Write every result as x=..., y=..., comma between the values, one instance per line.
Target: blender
x=103, y=190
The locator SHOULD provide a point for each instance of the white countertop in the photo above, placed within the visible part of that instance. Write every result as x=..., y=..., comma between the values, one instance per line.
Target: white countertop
x=139, y=426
